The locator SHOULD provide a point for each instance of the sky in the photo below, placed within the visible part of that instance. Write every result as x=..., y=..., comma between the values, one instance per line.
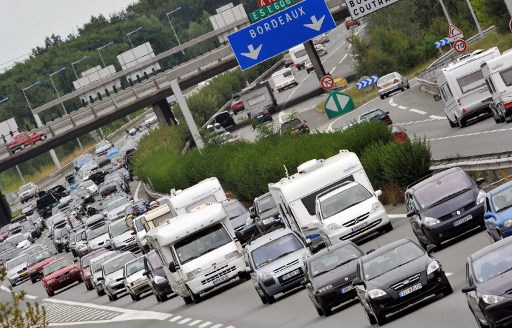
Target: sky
x=24, y=24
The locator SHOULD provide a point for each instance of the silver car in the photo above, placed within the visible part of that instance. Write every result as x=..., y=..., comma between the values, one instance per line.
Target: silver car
x=134, y=280
x=390, y=83
x=96, y=272
x=97, y=237
x=113, y=274
x=16, y=269
x=122, y=238
x=27, y=192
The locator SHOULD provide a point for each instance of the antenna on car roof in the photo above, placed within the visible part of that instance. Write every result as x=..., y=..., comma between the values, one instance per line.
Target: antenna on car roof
x=286, y=171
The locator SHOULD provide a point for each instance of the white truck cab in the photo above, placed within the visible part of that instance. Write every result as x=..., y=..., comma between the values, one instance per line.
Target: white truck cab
x=199, y=250
x=498, y=77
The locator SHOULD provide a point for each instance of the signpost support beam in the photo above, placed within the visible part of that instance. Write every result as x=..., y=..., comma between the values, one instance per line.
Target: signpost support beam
x=508, y=3
x=476, y=20
x=315, y=59
x=445, y=12
x=164, y=113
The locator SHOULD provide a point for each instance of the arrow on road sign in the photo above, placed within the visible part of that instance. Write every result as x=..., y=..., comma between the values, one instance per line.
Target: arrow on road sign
x=338, y=103
x=369, y=81
x=253, y=53
x=315, y=24
x=443, y=42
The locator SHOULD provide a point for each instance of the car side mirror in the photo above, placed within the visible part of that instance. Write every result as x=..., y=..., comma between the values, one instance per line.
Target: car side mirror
x=431, y=248
x=172, y=267
x=488, y=215
x=466, y=289
x=253, y=215
x=479, y=181
x=249, y=270
x=304, y=282
x=357, y=282
x=378, y=193
x=411, y=213
x=308, y=242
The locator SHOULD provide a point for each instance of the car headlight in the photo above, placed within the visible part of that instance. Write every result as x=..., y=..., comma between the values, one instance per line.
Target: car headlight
x=432, y=267
x=160, y=280
x=110, y=281
x=374, y=293
x=429, y=221
x=51, y=281
x=481, y=197
x=507, y=223
x=324, y=289
x=193, y=273
x=377, y=206
x=492, y=299
x=232, y=255
x=333, y=227
x=265, y=275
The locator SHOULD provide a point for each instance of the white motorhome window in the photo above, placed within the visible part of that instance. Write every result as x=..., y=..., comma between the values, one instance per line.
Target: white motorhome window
x=209, y=199
x=309, y=200
x=201, y=243
x=443, y=93
x=343, y=200
x=506, y=75
x=471, y=81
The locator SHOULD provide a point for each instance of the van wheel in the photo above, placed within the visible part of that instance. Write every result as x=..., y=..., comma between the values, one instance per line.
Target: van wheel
x=196, y=298
x=187, y=299
x=381, y=96
x=453, y=125
x=388, y=227
x=462, y=122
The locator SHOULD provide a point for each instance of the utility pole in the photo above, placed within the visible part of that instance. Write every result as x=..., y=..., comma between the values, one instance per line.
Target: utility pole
x=476, y=20
x=508, y=3
x=445, y=12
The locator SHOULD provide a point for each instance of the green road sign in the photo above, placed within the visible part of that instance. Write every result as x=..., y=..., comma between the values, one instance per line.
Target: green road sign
x=270, y=10
x=338, y=103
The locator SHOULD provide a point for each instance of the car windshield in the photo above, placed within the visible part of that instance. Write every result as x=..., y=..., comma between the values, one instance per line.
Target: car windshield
x=47, y=200
x=9, y=255
x=98, y=262
x=134, y=266
x=55, y=266
x=287, y=126
x=94, y=233
x=16, y=239
x=34, y=249
x=17, y=261
x=202, y=242
x=117, y=263
x=117, y=228
x=4, y=246
x=442, y=188
x=506, y=75
x=4, y=229
x=333, y=259
x=275, y=249
x=79, y=236
x=87, y=184
x=149, y=116
x=340, y=201
x=26, y=187
x=472, y=81
x=265, y=203
x=38, y=257
x=391, y=259
x=117, y=203
x=154, y=260
x=234, y=209
x=493, y=264
x=502, y=200
x=86, y=260
x=371, y=115
x=386, y=78
x=138, y=224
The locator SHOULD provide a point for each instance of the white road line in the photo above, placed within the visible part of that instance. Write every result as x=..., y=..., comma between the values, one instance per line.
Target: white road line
x=176, y=318
x=136, y=196
x=332, y=70
x=420, y=121
x=402, y=107
x=230, y=327
x=30, y=297
x=217, y=326
x=342, y=59
x=417, y=111
x=184, y=321
x=390, y=101
x=449, y=274
x=470, y=134
x=437, y=117
x=193, y=323
x=5, y=289
x=206, y=324
x=393, y=104
x=397, y=216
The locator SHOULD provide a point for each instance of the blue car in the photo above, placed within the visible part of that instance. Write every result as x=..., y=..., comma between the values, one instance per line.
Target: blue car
x=498, y=212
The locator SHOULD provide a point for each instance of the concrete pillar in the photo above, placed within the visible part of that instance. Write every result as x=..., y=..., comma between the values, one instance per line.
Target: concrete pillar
x=53, y=155
x=194, y=131
x=164, y=113
x=5, y=212
x=315, y=60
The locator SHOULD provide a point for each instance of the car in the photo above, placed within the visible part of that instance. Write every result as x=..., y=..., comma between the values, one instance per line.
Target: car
x=308, y=66
x=489, y=281
x=121, y=237
x=390, y=83
x=135, y=282
x=89, y=186
x=19, y=241
x=350, y=22
x=320, y=50
x=260, y=115
x=397, y=275
x=225, y=119
x=86, y=269
x=399, y=133
x=115, y=206
x=237, y=104
x=72, y=181
x=60, y=273
x=27, y=192
x=34, y=249
x=238, y=216
x=29, y=226
x=36, y=262
x=498, y=212
x=97, y=237
x=276, y=263
x=294, y=126
x=96, y=264
x=288, y=61
x=444, y=205
x=77, y=239
x=8, y=254
x=82, y=160
x=156, y=276
x=113, y=274
x=45, y=204
x=375, y=115
x=4, y=232
x=101, y=148
x=321, y=39
x=329, y=276
x=61, y=240
x=16, y=269
x=150, y=119
x=24, y=139
x=266, y=212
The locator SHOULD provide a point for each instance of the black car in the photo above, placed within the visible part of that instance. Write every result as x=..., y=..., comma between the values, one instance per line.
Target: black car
x=97, y=177
x=61, y=240
x=225, y=119
x=375, y=115
x=238, y=216
x=156, y=276
x=266, y=212
x=294, y=126
x=489, y=284
x=444, y=205
x=395, y=276
x=260, y=115
x=45, y=205
x=58, y=191
x=329, y=276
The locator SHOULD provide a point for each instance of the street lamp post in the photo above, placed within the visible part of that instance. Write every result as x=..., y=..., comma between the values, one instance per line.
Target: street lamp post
x=134, y=31
x=76, y=62
x=172, y=27
x=54, y=157
x=99, y=52
x=4, y=100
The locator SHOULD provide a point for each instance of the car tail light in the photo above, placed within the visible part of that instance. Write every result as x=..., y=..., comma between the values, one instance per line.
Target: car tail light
x=464, y=110
x=458, y=102
x=395, y=81
x=266, y=112
x=305, y=126
x=508, y=105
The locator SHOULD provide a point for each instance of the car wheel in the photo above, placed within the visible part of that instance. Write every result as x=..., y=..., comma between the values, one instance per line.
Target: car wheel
x=462, y=122
x=388, y=227
x=196, y=298
x=99, y=292
x=136, y=297
x=380, y=318
x=164, y=297
x=158, y=298
x=369, y=316
x=448, y=290
x=319, y=311
x=187, y=299
x=88, y=287
x=262, y=296
x=13, y=284
x=50, y=292
x=113, y=297
x=452, y=125
x=33, y=280
x=270, y=299
x=381, y=96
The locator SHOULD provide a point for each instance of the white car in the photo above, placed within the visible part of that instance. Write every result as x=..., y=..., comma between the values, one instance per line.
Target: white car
x=90, y=186
x=390, y=83
x=27, y=192
x=102, y=147
x=19, y=241
x=320, y=50
x=150, y=119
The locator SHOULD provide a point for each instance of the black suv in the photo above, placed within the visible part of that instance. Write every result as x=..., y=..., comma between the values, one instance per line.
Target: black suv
x=444, y=205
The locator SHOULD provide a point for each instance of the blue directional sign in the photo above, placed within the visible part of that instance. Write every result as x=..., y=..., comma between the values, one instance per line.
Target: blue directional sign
x=442, y=42
x=280, y=32
x=369, y=81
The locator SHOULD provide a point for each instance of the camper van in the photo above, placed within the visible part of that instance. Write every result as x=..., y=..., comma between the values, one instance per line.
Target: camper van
x=315, y=181
x=463, y=88
x=283, y=79
x=187, y=200
x=299, y=56
x=199, y=251
x=498, y=77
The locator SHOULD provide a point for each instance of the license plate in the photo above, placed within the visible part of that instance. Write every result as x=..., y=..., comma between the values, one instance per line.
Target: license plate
x=62, y=280
x=260, y=116
x=346, y=289
x=268, y=221
x=409, y=290
x=388, y=85
x=359, y=226
x=461, y=221
x=290, y=274
x=220, y=280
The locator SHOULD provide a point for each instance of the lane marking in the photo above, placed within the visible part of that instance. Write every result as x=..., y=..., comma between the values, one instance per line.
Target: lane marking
x=393, y=104
x=184, y=321
x=402, y=107
x=437, y=117
x=342, y=59
x=176, y=318
x=206, y=324
x=136, y=196
x=390, y=101
x=423, y=121
x=417, y=111
x=217, y=326
x=6, y=289
x=471, y=134
x=397, y=216
x=449, y=274
x=193, y=323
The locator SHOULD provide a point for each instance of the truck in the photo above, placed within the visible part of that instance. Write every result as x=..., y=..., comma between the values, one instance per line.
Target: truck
x=463, y=89
x=259, y=96
x=199, y=251
x=284, y=79
x=299, y=56
x=296, y=197
x=497, y=73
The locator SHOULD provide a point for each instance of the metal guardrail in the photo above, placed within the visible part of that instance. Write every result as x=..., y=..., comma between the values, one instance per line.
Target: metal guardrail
x=485, y=162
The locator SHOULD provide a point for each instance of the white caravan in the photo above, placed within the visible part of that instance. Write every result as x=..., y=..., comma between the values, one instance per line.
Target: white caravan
x=199, y=250
x=187, y=200
x=295, y=197
x=463, y=89
x=299, y=56
x=283, y=79
x=498, y=76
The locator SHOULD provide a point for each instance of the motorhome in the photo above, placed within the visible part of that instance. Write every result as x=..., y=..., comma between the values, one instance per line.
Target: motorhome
x=295, y=197
x=498, y=77
x=463, y=88
x=283, y=79
x=199, y=250
x=299, y=56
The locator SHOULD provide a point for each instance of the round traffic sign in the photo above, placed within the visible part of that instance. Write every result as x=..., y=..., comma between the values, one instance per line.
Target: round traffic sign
x=327, y=82
x=460, y=46
x=510, y=25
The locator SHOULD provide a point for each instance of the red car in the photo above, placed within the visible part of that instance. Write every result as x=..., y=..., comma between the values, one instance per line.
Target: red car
x=399, y=133
x=36, y=263
x=350, y=22
x=4, y=232
x=59, y=274
x=237, y=104
x=85, y=266
x=23, y=139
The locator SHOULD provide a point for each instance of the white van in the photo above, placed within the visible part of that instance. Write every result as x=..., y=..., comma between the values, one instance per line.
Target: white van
x=498, y=76
x=299, y=56
x=199, y=250
x=283, y=79
x=463, y=89
x=295, y=197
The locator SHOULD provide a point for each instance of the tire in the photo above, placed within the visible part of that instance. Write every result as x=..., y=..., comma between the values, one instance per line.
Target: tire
x=100, y=293
x=163, y=297
x=187, y=299
x=136, y=297
x=327, y=311
x=88, y=287
x=408, y=86
x=381, y=96
x=59, y=250
x=50, y=293
x=388, y=227
x=158, y=298
x=319, y=311
x=196, y=298
x=462, y=122
x=270, y=299
x=479, y=324
x=263, y=296
x=448, y=290
x=13, y=284
x=452, y=125
x=381, y=319
x=110, y=298
x=34, y=280
x=369, y=316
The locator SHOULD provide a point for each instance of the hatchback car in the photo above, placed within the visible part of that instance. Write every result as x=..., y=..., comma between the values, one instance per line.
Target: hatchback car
x=85, y=266
x=237, y=104
x=238, y=216
x=390, y=83
x=266, y=212
x=329, y=275
x=113, y=274
x=97, y=237
x=96, y=265
x=122, y=238
x=395, y=276
x=294, y=126
x=19, y=241
x=36, y=263
x=498, y=212
x=375, y=115
x=288, y=61
x=155, y=274
x=277, y=263
x=59, y=274
x=308, y=66
x=134, y=280
x=260, y=115
x=61, y=240
x=444, y=205
x=399, y=133
x=102, y=147
x=489, y=282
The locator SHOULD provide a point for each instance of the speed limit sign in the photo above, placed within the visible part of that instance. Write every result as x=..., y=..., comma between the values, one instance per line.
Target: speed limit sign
x=460, y=46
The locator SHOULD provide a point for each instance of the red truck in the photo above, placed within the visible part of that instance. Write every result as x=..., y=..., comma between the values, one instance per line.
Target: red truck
x=23, y=139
